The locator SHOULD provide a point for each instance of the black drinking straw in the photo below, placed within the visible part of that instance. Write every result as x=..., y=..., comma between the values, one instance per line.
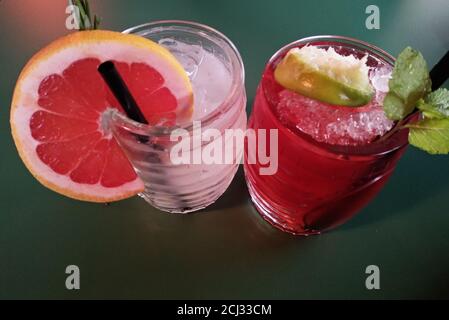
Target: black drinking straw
x=121, y=92
x=440, y=72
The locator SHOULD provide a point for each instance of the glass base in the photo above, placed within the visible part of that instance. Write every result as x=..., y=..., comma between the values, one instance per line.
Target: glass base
x=183, y=203
x=269, y=215
x=179, y=210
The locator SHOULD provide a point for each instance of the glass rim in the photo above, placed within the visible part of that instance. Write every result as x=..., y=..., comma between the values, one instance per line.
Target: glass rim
x=371, y=149
x=342, y=39
x=237, y=75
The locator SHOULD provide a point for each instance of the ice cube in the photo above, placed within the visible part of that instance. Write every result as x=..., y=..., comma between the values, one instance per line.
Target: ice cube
x=189, y=55
x=338, y=125
x=379, y=78
x=209, y=75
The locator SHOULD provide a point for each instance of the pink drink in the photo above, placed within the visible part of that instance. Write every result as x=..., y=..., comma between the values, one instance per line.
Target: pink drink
x=332, y=159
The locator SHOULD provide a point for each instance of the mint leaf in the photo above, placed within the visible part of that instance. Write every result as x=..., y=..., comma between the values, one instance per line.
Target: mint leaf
x=410, y=82
x=409, y=89
x=436, y=104
x=431, y=135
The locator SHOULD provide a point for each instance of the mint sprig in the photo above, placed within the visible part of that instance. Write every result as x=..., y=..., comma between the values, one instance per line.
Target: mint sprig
x=409, y=92
x=410, y=82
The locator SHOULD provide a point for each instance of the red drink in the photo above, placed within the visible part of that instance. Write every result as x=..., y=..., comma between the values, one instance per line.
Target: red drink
x=332, y=159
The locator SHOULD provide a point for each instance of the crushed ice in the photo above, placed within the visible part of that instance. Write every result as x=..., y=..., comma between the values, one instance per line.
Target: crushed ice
x=339, y=125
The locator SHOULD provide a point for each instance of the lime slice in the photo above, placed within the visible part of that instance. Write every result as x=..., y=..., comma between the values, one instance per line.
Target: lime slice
x=326, y=76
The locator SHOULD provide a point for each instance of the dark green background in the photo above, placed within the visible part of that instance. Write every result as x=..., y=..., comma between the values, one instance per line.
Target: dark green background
x=130, y=250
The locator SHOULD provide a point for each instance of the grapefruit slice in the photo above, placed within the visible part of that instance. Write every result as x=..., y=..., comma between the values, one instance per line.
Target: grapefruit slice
x=59, y=100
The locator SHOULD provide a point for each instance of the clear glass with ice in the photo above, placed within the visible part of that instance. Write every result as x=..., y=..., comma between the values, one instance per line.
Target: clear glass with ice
x=216, y=72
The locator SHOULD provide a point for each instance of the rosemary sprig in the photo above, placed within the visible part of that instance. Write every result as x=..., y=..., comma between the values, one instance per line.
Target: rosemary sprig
x=85, y=21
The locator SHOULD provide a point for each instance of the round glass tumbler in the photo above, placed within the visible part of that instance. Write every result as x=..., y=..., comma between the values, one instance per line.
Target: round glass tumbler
x=216, y=71
x=318, y=186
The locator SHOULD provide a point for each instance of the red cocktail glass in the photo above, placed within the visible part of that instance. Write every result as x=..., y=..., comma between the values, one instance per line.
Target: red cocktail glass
x=318, y=185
